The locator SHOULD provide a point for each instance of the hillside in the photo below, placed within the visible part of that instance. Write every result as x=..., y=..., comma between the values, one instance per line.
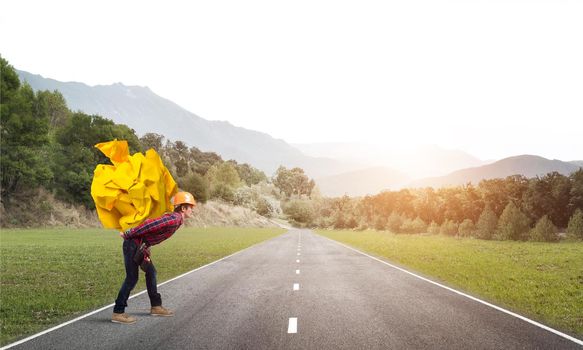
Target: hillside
x=144, y=111
x=527, y=165
x=361, y=182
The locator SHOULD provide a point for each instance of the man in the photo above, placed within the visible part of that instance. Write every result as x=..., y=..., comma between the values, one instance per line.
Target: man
x=136, y=253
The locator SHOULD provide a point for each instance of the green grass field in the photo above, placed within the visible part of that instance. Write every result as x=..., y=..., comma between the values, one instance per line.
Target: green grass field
x=49, y=276
x=542, y=281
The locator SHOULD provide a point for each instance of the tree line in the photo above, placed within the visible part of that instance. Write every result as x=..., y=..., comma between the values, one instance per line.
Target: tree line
x=46, y=145
x=513, y=208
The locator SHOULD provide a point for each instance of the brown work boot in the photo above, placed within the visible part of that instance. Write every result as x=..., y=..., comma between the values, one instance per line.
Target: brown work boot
x=160, y=311
x=123, y=318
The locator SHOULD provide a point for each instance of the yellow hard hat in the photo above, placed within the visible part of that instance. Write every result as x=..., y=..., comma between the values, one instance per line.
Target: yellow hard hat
x=183, y=198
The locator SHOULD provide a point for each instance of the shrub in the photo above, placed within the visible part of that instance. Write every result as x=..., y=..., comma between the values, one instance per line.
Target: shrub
x=513, y=224
x=448, y=228
x=433, y=228
x=413, y=226
x=299, y=211
x=544, y=231
x=380, y=223
x=223, y=192
x=466, y=228
x=394, y=222
x=575, y=226
x=268, y=207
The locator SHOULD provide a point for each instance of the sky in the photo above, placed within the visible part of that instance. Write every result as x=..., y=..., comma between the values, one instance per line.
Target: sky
x=492, y=78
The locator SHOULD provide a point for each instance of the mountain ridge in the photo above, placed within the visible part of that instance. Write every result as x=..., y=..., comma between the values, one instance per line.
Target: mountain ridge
x=526, y=165
x=141, y=109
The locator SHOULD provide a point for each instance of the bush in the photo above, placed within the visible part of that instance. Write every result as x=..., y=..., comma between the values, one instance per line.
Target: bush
x=544, y=231
x=466, y=228
x=575, y=226
x=513, y=224
x=433, y=228
x=223, y=192
x=268, y=207
x=394, y=222
x=299, y=211
x=413, y=226
x=487, y=224
x=380, y=223
x=448, y=228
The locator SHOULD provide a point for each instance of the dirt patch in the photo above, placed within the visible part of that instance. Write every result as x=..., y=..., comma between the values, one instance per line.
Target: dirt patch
x=224, y=214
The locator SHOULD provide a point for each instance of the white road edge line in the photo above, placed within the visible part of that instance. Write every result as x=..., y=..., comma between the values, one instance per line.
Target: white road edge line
x=566, y=336
x=131, y=297
x=292, y=325
x=296, y=286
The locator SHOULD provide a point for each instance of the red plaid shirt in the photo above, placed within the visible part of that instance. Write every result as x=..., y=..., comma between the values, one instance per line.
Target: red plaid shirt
x=154, y=231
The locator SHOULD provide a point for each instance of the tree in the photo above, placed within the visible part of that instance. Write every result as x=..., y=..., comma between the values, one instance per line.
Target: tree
x=223, y=173
x=513, y=224
x=487, y=224
x=549, y=195
x=293, y=181
x=466, y=228
x=197, y=185
x=250, y=175
x=23, y=135
x=575, y=227
x=544, y=231
x=54, y=107
x=152, y=140
x=576, y=195
x=75, y=157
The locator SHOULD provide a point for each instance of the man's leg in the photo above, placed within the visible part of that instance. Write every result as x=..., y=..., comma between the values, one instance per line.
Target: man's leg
x=129, y=249
x=151, y=284
x=155, y=297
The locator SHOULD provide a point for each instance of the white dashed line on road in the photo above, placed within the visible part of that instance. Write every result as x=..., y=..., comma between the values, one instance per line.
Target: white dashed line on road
x=297, y=272
x=296, y=286
x=297, y=260
x=293, y=325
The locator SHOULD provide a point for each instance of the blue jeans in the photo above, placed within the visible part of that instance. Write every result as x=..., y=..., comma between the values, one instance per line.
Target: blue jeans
x=132, y=270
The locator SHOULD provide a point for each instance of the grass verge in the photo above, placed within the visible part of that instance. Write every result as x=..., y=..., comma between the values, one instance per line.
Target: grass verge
x=52, y=275
x=542, y=281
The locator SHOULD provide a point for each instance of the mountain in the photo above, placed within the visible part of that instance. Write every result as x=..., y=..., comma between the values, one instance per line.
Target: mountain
x=417, y=162
x=361, y=182
x=578, y=163
x=144, y=111
x=527, y=165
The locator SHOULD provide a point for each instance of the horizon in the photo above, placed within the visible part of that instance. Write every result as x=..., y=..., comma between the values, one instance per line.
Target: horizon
x=391, y=74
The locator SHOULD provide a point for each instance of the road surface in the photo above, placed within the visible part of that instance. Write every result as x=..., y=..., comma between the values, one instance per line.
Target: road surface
x=303, y=291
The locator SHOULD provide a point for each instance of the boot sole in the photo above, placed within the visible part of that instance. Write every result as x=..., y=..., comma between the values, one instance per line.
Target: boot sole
x=160, y=315
x=121, y=322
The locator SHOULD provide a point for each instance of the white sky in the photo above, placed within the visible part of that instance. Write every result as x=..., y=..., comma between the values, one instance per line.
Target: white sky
x=493, y=78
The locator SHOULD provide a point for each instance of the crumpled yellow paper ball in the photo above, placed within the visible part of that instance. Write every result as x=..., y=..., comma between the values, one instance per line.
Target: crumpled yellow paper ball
x=133, y=189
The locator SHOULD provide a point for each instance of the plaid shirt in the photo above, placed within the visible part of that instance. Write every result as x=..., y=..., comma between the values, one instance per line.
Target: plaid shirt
x=154, y=231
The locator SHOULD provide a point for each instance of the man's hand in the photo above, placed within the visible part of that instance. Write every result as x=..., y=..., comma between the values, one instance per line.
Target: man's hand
x=122, y=234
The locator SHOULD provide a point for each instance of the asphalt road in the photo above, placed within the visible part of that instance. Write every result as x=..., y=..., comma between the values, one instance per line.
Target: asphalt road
x=340, y=299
